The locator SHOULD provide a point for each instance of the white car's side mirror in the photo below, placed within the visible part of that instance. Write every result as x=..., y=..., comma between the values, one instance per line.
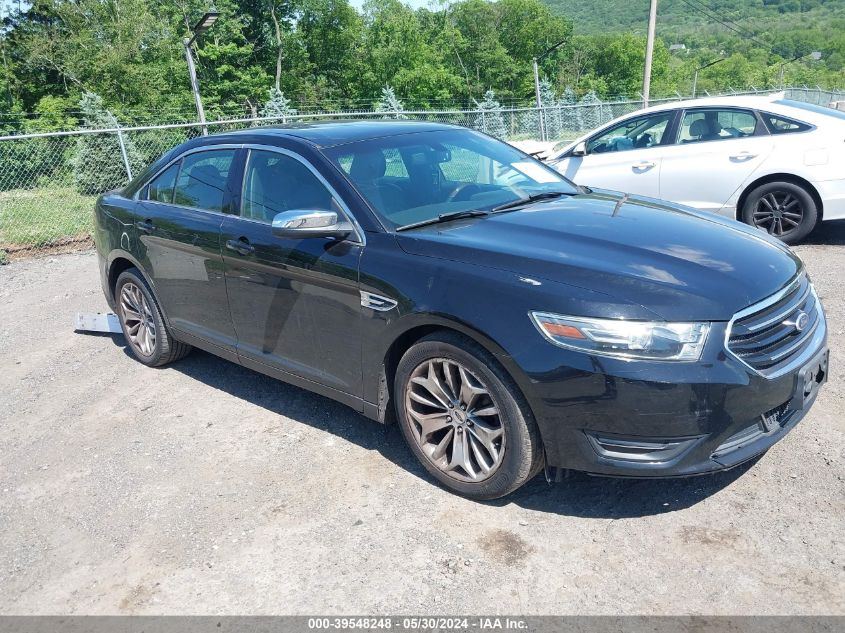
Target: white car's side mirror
x=580, y=149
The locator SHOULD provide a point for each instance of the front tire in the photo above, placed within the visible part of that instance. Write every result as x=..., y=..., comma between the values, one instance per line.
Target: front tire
x=783, y=209
x=146, y=334
x=464, y=418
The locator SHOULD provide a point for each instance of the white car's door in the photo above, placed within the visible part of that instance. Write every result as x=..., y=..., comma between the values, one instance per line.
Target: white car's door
x=716, y=151
x=625, y=157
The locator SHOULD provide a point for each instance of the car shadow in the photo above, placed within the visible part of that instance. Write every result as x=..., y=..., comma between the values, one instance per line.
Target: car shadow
x=827, y=233
x=575, y=494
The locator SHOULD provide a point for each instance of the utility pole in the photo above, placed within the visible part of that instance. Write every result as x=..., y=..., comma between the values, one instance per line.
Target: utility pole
x=195, y=86
x=649, y=52
x=200, y=27
x=535, y=64
x=539, y=101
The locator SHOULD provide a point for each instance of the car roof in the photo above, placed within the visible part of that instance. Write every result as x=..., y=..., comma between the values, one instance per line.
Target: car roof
x=766, y=101
x=329, y=133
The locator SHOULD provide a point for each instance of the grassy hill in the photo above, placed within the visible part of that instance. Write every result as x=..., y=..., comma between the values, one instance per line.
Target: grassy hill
x=678, y=18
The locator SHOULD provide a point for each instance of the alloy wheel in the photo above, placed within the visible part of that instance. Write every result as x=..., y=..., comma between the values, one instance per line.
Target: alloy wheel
x=454, y=420
x=778, y=212
x=138, y=319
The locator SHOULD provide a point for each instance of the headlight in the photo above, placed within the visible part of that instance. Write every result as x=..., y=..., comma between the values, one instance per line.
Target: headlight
x=648, y=340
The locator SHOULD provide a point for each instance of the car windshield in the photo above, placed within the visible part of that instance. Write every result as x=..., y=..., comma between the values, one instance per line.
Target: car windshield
x=412, y=178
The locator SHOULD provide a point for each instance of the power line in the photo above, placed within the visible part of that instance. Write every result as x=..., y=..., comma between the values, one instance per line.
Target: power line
x=707, y=12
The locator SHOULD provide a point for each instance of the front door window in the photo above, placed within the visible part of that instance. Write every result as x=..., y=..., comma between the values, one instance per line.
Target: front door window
x=638, y=133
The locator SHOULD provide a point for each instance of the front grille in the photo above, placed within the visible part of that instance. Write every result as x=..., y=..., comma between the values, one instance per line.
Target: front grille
x=765, y=336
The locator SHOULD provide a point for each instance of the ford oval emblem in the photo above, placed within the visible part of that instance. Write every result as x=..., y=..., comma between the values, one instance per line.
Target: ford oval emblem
x=801, y=321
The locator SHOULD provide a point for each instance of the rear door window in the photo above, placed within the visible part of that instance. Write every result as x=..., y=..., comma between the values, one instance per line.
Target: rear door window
x=202, y=180
x=713, y=124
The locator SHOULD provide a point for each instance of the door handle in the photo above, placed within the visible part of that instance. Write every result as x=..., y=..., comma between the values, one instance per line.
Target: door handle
x=743, y=156
x=240, y=246
x=644, y=164
x=146, y=226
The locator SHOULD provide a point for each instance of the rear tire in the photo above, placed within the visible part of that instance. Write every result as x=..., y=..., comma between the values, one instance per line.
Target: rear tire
x=783, y=209
x=464, y=418
x=147, y=336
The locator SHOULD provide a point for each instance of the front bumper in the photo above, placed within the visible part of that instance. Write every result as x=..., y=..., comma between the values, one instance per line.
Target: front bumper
x=645, y=419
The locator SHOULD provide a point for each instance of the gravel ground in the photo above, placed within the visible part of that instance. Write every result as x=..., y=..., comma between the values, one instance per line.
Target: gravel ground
x=206, y=488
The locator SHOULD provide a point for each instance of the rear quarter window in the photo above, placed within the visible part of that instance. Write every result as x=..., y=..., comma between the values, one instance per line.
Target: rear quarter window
x=778, y=124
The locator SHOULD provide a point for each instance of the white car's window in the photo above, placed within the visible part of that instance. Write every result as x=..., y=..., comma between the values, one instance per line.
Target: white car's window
x=715, y=125
x=638, y=133
x=782, y=125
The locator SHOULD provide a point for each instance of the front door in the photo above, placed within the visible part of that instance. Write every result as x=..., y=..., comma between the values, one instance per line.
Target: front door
x=625, y=157
x=179, y=218
x=295, y=303
x=717, y=150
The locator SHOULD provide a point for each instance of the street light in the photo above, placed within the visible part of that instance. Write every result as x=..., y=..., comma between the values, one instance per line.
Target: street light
x=816, y=55
x=534, y=62
x=200, y=27
x=695, y=77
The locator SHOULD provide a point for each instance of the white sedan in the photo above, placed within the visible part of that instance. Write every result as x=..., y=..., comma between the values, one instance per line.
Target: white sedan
x=767, y=161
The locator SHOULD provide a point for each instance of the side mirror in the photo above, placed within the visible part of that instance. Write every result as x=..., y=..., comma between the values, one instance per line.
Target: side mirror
x=580, y=149
x=302, y=223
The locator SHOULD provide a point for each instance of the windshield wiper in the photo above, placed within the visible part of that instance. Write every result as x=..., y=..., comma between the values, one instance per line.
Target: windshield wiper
x=444, y=217
x=534, y=197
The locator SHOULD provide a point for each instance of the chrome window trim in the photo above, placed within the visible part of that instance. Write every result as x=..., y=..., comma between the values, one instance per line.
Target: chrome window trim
x=815, y=341
x=359, y=231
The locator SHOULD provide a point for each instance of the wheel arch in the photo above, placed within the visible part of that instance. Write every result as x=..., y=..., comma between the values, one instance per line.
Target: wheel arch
x=417, y=329
x=120, y=261
x=780, y=177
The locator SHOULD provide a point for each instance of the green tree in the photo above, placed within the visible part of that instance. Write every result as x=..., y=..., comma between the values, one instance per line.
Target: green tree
x=489, y=118
x=277, y=106
x=98, y=164
x=389, y=105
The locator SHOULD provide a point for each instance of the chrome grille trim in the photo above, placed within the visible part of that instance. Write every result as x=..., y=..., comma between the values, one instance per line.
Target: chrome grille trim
x=780, y=352
x=783, y=314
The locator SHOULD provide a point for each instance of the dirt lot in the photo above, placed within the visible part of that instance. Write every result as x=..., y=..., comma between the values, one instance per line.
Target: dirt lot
x=206, y=488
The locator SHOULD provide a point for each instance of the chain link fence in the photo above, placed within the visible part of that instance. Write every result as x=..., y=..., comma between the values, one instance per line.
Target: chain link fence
x=49, y=182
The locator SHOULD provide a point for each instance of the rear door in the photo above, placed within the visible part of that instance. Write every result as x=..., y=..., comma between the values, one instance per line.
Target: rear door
x=715, y=152
x=295, y=303
x=179, y=217
x=625, y=157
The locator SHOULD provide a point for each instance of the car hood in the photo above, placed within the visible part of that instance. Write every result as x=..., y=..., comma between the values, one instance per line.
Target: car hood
x=678, y=263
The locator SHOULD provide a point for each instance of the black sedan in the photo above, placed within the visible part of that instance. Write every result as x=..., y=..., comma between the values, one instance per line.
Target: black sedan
x=505, y=318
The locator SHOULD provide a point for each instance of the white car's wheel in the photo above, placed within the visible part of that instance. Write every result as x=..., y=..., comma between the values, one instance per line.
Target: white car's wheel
x=782, y=209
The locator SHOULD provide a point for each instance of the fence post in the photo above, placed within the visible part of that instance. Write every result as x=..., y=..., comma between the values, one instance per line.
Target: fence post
x=125, y=156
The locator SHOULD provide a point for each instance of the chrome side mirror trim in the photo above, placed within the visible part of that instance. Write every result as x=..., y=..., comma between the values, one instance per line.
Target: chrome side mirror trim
x=302, y=223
